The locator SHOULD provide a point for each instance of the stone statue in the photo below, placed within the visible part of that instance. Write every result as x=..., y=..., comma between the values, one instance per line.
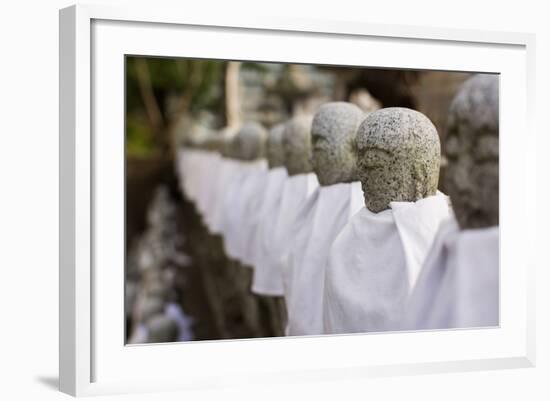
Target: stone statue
x=268, y=208
x=374, y=261
x=323, y=215
x=333, y=138
x=250, y=142
x=459, y=282
x=297, y=145
x=297, y=187
x=472, y=151
x=247, y=151
x=398, y=157
x=249, y=147
x=275, y=153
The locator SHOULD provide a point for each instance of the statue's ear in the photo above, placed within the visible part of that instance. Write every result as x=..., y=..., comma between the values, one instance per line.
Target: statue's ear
x=421, y=181
x=355, y=163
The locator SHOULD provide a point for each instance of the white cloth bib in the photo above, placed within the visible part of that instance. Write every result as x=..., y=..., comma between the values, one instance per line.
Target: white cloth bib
x=262, y=282
x=210, y=205
x=236, y=211
x=208, y=168
x=373, y=262
x=317, y=225
x=186, y=158
x=230, y=172
x=278, y=237
x=194, y=167
x=266, y=210
x=252, y=210
x=459, y=283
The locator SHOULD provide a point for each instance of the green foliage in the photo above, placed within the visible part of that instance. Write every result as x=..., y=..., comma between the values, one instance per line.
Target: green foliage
x=195, y=85
x=139, y=138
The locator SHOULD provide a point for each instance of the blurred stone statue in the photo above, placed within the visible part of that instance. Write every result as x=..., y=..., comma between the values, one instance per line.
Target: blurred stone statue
x=260, y=215
x=374, y=261
x=472, y=153
x=248, y=148
x=267, y=207
x=300, y=184
x=248, y=163
x=323, y=215
x=297, y=145
x=459, y=282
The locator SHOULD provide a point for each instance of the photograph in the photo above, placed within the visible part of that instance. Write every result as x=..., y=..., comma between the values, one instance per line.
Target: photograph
x=270, y=199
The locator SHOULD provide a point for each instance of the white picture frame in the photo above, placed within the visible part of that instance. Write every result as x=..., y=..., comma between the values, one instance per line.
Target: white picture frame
x=93, y=357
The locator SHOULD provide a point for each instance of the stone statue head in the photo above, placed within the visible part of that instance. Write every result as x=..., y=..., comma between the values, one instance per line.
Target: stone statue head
x=297, y=145
x=250, y=142
x=275, y=153
x=333, y=132
x=472, y=152
x=398, y=153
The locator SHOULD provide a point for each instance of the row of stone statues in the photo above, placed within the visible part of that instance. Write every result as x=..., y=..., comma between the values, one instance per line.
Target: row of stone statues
x=340, y=213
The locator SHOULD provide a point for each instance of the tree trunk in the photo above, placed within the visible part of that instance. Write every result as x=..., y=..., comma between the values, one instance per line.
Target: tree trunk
x=232, y=102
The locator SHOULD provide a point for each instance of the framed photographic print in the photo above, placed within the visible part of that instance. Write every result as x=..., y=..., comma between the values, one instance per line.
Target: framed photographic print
x=265, y=200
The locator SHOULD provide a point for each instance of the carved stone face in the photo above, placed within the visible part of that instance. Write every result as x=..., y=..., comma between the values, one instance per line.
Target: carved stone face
x=250, y=142
x=398, y=157
x=333, y=132
x=472, y=148
x=297, y=145
x=275, y=152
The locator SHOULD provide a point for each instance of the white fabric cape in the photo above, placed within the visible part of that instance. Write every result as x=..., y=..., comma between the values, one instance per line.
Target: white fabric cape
x=278, y=236
x=257, y=207
x=218, y=167
x=185, y=163
x=194, y=166
x=459, y=283
x=321, y=219
x=235, y=205
x=229, y=173
x=208, y=165
x=265, y=221
x=373, y=263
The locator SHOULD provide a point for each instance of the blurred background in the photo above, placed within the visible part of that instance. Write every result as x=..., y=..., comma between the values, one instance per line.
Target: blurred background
x=179, y=284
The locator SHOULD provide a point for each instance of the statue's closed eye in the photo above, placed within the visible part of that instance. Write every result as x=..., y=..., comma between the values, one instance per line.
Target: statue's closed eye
x=376, y=157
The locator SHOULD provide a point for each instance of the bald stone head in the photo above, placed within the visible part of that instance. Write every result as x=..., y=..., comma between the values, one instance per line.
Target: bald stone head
x=275, y=152
x=297, y=145
x=472, y=149
x=250, y=142
x=333, y=132
x=398, y=157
